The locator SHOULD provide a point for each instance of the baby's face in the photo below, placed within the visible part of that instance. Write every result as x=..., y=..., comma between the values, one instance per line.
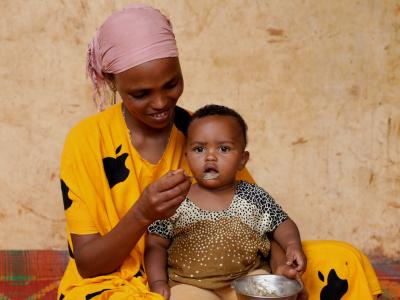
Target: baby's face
x=215, y=150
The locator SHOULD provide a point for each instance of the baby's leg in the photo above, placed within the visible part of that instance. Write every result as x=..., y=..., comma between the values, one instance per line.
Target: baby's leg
x=258, y=272
x=229, y=293
x=186, y=291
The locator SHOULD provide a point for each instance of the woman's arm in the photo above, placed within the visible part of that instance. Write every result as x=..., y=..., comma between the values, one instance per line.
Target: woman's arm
x=98, y=255
x=155, y=263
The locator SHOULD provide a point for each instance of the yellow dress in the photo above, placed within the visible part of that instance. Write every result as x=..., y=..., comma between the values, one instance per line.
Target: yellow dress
x=102, y=175
x=338, y=271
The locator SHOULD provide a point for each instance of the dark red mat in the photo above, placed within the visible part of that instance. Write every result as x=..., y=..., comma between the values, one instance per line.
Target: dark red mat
x=389, y=278
x=35, y=274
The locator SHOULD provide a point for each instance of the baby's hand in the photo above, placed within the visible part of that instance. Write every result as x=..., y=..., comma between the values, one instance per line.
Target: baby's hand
x=161, y=287
x=296, y=258
x=289, y=272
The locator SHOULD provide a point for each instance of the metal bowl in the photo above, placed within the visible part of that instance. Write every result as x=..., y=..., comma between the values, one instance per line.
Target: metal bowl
x=258, y=287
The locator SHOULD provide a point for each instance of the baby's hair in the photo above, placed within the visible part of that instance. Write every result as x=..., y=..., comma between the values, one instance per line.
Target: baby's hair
x=219, y=110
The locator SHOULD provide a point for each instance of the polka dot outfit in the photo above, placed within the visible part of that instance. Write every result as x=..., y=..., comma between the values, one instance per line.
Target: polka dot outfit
x=209, y=249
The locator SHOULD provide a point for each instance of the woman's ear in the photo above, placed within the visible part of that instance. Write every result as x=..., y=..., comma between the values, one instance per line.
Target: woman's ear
x=244, y=160
x=110, y=79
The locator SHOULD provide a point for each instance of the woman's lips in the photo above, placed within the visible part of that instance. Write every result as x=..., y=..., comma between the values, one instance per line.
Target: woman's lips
x=161, y=116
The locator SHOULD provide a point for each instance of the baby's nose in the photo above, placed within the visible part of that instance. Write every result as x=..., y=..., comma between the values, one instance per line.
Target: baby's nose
x=211, y=155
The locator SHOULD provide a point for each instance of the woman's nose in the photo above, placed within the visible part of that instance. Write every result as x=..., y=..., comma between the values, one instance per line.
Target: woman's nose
x=159, y=101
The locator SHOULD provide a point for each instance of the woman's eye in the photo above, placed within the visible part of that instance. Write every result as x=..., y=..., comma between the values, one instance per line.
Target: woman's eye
x=139, y=94
x=198, y=149
x=224, y=149
x=171, y=84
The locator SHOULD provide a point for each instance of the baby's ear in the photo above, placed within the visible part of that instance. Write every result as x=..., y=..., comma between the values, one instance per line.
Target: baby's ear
x=244, y=160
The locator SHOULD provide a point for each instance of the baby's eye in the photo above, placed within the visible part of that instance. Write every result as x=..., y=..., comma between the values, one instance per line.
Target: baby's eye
x=198, y=149
x=224, y=149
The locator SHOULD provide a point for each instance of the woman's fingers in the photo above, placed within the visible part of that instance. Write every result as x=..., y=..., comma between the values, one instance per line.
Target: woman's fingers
x=161, y=198
x=171, y=199
x=180, y=189
x=174, y=184
x=170, y=180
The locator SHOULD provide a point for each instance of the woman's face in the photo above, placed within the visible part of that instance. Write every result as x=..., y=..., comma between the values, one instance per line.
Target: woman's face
x=150, y=91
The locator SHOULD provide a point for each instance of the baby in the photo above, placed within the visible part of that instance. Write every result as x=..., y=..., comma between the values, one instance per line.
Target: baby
x=221, y=230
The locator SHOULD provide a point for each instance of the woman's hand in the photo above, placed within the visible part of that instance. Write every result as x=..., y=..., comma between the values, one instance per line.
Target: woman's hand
x=160, y=199
x=161, y=287
x=97, y=254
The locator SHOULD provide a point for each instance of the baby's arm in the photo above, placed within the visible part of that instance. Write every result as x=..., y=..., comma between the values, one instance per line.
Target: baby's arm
x=155, y=262
x=288, y=236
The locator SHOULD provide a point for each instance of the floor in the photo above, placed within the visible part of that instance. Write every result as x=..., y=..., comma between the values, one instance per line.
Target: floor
x=389, y=278
x=35, y=274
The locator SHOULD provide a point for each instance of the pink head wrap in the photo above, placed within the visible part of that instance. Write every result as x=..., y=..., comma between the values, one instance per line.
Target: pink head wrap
x=135, y=35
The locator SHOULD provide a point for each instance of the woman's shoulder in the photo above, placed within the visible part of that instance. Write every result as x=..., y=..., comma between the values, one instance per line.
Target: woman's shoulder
x=91, y=125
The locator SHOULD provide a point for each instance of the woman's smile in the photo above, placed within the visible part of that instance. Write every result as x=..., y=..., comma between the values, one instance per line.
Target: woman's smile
x=161, y=116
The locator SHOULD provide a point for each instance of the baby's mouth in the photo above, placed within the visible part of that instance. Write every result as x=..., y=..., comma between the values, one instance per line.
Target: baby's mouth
x=210, y=174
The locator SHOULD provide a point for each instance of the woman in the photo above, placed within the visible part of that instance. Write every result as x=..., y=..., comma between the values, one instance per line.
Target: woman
x=115, y=166
x=124, y=167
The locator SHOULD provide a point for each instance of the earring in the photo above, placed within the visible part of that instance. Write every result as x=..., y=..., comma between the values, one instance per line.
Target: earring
x=113, y=93
x=113, y=97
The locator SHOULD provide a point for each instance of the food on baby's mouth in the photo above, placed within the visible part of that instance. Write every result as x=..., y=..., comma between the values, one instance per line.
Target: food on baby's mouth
x=210, y=175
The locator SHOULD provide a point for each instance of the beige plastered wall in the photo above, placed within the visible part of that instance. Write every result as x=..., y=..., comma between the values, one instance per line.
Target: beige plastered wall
x=317, y=81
